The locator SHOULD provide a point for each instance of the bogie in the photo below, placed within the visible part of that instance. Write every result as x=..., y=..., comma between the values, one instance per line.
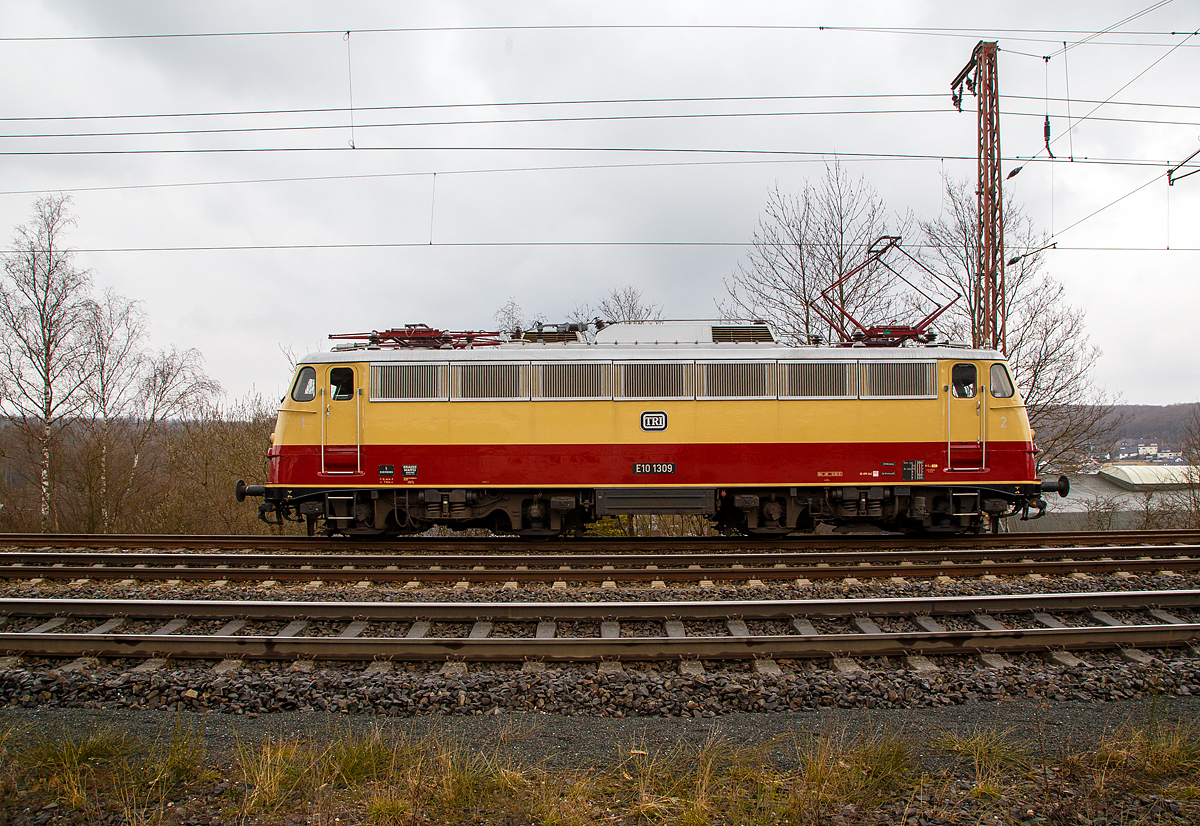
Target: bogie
x=755, y=512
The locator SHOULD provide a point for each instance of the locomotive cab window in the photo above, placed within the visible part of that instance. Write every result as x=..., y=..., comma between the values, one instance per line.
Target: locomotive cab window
x=1002, y=386
x=305, y=388
x=341, y=383
x=963, y=381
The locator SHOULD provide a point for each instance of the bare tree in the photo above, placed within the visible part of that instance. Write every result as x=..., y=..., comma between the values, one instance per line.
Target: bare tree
x=130, y=391
x=1102, y=513
x=44, y=313
x=627, y=304
x=205, y=453
x=1048, y=345
x=621, y=304
x=1186, y=502
x=115, y=337
x=802, y=245
x=510, y=318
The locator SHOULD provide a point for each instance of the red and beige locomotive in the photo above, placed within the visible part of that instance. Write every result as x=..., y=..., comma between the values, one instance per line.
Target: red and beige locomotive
x=539, y=436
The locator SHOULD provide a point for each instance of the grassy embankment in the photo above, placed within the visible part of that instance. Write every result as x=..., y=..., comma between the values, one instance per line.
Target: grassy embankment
x=1143, y=775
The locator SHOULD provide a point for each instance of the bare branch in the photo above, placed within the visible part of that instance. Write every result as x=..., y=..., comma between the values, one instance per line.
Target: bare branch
x=802, y=245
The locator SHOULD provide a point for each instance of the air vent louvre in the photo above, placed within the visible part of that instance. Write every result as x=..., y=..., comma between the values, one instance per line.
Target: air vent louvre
x=571, y=381
x=550, y=336
x=407, y=382
x=489, y=381
x=736, y=380
x=819, y=380
x=658, y=380
x=899, y=380
x=744, y=333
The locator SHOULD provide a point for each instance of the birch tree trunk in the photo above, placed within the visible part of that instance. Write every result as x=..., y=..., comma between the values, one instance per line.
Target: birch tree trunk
x=44, y=304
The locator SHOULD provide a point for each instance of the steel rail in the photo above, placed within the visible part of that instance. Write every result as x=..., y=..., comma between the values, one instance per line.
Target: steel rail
x=594, y=575
x=618, y=545
x=290, y=646
x=577, y=611
x=583, y=649
x=468, y=561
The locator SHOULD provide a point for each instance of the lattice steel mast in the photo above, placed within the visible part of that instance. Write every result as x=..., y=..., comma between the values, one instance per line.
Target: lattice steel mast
x=989, y=322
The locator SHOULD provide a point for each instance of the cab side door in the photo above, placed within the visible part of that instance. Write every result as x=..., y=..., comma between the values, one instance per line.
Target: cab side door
x=965, y=419
x=341, y=397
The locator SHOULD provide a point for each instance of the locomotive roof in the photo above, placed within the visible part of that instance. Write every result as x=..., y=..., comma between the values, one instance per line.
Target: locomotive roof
x=685, y=341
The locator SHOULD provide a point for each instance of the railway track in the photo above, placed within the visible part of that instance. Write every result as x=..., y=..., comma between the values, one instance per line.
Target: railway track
x=616, y=545
x=583, y=632
x=592, y=568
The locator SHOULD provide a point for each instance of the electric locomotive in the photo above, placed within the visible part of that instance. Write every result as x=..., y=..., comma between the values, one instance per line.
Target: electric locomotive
x=394, y=432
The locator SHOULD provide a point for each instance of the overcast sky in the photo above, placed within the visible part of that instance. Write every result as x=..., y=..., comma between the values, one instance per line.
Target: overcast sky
x=504, y=191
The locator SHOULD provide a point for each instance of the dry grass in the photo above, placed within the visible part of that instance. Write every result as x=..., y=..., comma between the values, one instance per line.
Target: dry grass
x=273, y=772
x=399, y=774
x=75, y=764
x=106, y=769
x=9, y=732
x=1141, y=760
x=835, y=773
x=988, y=750
x=175, y=761
x=376, y=778
x=1151, y=753
x=994, y=757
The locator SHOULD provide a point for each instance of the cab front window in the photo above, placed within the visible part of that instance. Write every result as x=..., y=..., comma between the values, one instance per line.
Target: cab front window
x=1002, y=386
x=305, y=388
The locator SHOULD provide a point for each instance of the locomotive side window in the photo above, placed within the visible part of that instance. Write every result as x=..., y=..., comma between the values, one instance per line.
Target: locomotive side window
x=341, y=383
x=1002, y=386
x=305, y=388
x=962, y=381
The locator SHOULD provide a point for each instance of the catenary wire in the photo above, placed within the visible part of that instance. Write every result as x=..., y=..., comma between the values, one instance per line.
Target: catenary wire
x=1051, y=35
x=485, y=244
x=478, y=122
x=1164, y=56
x=481, y=171
x=828, y=154
x=572, y=119
x=1122, y=22
x=1133, y=191
x=578, y=102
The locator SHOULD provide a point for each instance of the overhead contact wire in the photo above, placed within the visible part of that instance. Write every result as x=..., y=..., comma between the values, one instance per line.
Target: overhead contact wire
x=579, y=102
x=238, y=130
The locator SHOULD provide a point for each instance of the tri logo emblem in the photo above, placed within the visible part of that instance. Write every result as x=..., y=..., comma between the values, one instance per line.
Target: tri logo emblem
x=654, y=421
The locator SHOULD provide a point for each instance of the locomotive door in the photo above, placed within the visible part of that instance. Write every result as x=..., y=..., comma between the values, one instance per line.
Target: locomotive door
x=341, y=422
x=965, y=434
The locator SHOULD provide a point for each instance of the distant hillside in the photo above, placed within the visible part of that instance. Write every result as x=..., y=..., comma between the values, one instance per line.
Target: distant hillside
x=1166, y=423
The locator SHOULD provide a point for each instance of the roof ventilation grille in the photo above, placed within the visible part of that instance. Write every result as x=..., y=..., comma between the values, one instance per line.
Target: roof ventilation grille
x=740, y=334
